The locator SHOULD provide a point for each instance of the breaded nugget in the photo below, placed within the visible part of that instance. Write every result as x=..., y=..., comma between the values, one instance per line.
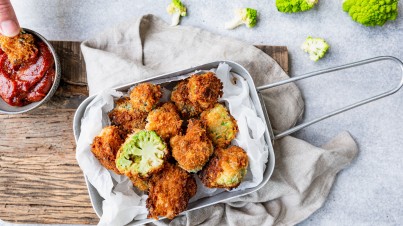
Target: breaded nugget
x=106, y=145
x=145, y=96
x=170, y=191
x=127, y=118
x=221, y=126
x=193, y=150
x=140, y=183
x=226, y=168
x=142, y=154
x=204, y=90
x=180, y=97
x=165, y=121
x=20, y=48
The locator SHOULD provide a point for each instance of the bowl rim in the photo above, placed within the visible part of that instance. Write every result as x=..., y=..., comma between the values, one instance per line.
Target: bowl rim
x=55, y=84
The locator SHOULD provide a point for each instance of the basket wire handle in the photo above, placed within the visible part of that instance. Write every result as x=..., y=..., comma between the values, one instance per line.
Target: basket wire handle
x=338, y=68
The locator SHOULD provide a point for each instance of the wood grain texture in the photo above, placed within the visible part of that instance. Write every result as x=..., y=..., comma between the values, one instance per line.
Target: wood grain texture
x=40, y=180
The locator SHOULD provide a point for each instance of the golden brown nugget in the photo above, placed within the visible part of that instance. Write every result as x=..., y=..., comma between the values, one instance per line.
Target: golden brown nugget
x=127, y=118
x=226, y=169
x=204, y=90
x=165, y=121
x=193, y=150
x=140, y=183
x=180, y=96
x=20, y=48
x=106, y=145
x=170, y=192
x=221, y=126
x=145, y=96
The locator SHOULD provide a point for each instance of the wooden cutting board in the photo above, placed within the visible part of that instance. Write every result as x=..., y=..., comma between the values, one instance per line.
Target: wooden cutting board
x=40, y=180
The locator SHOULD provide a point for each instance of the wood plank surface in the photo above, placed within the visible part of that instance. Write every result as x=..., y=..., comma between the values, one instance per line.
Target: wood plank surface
x=40, y=180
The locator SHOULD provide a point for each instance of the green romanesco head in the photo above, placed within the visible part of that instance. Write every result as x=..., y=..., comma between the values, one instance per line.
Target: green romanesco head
x=294, y=6
x=142, y=153
x=371, y=12
x=249, y=16
x=176, y=6
x=316, y=47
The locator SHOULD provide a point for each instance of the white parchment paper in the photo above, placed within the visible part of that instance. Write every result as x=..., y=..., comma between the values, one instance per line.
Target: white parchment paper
x=123, y=203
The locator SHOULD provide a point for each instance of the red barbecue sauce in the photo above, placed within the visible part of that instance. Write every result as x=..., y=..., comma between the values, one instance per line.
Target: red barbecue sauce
x=28, y=82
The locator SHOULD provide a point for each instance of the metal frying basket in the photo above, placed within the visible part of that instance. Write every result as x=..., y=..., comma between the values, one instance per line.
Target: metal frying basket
x=257, y=99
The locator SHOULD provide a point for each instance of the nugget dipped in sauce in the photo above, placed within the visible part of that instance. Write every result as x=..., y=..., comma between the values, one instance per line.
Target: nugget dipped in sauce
x=106, y=145
x=145, y=96
x=165, y=121
x=221, y=126
x=170, y=192
x=193, y=150
x=226, y=168
x=27, y=69
x=20, y=48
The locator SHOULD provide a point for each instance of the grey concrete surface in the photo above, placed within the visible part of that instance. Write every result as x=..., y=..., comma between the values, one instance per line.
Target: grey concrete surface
x=370, y=191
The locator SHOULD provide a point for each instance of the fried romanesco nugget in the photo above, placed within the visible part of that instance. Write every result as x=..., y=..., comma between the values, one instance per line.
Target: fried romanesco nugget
x=204, y=90
x=226, y=169
x=20, y=48
x=165, y=121
x=142, y=154
x=193, y=150
x=221, y=126
x=170, y=191
x=106, y=145
x=139, y=182
x=127, y=118
x=145, y=96
x=180, y=96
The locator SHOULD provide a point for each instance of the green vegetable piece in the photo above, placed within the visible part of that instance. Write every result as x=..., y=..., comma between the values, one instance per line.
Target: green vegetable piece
x=371, y=12
x=141, y=154
x=295, y=6
x=176, y=9
x=247, y=16
x=316, y=47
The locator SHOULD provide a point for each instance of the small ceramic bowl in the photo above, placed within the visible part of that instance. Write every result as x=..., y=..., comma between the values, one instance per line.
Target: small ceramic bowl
x=8, y=109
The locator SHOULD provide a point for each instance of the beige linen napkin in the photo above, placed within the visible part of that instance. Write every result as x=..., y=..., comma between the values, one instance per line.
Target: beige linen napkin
x=303, y=174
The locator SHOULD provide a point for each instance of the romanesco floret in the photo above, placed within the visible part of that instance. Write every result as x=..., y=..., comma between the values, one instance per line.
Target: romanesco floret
x=371, y=12
x=246, y=16
x=294, y=6
x=316, y=47
x=142, y=153
x=176, y=9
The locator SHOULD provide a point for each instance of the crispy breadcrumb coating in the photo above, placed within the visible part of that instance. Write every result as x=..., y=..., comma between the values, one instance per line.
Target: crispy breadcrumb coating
x=221, y=126
x=204, y=90
x=193, y=150
x=165, y=121
x=125, y=117
x=170, y=191
x=180, y=97
x=145, y=96
x=140, y=183
x=20, y=48
x=106, y=145
x=226, y=168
